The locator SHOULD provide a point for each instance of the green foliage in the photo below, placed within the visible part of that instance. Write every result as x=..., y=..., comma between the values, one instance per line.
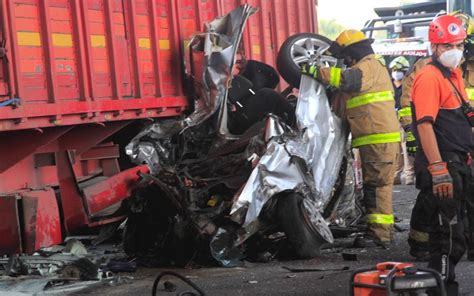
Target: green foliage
x=330, y=28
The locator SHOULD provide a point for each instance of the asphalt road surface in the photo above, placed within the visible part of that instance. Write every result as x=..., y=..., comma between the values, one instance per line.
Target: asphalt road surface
x=273, y=279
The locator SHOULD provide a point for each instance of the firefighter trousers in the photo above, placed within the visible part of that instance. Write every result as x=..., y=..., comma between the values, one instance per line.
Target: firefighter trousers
x=379, y=162
x=442, y=220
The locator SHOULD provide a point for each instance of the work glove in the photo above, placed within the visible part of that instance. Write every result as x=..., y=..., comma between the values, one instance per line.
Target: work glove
x=411, y=143
x=442, y=181
x=310, y=70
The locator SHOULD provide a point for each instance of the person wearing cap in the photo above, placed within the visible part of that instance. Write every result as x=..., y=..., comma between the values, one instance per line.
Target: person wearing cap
x=399, y=67
x=442, y=164
x=373, y=124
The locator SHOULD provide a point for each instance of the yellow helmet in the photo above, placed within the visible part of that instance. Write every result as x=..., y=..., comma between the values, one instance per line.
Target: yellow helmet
x=399, y=64
x=466, y=20
x=349, y=37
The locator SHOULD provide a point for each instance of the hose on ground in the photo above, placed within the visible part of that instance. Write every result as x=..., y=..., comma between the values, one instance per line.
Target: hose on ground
x=187, y=281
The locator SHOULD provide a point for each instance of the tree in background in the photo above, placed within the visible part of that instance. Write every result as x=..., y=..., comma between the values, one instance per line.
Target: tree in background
x=330, y=28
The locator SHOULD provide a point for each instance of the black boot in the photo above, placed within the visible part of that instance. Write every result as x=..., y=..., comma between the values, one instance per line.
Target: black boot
x=367, y=241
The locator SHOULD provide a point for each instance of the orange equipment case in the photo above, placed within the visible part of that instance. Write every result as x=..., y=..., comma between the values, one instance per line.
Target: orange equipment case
x=394, y=278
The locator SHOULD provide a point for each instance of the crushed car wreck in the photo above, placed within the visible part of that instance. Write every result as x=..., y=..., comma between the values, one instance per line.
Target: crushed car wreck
x=212, y=194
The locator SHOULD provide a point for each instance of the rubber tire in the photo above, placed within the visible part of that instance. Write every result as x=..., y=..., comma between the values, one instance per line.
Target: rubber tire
x=305, y=242
x=288, y=69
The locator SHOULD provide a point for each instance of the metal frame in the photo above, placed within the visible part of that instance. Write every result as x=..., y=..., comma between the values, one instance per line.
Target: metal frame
x=418, y=20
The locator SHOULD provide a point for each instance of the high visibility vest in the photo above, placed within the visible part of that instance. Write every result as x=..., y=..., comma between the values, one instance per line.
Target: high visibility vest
x=372, y=98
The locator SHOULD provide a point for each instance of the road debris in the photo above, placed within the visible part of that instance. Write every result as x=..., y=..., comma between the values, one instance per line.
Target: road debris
x=63, y=269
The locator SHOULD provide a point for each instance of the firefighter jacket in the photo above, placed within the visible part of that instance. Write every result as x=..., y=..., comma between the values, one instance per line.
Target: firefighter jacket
x=370, y=109
x=469, y=81
x=405, y=114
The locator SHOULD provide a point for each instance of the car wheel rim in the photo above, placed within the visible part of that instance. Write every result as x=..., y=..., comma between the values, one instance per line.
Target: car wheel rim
x=311, y=50
x=315, y=220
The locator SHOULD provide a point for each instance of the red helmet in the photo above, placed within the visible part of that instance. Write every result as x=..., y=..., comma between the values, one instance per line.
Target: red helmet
x=446, y=29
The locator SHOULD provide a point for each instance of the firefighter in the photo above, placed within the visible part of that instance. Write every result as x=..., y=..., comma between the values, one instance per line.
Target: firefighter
x=443, y=124
x=374, y=127
x=398, y=68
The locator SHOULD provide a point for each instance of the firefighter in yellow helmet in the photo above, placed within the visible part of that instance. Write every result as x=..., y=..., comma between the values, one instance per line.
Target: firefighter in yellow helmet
x=370, y=112
x=399, y=67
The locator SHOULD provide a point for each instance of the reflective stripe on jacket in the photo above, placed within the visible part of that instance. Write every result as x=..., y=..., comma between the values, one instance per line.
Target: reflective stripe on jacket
x=404, y=112
x=371, y=111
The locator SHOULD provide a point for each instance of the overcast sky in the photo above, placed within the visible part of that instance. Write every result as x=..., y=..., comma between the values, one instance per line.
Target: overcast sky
x=351, y=13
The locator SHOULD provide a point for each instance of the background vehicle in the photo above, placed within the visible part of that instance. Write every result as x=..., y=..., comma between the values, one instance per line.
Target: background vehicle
x=77, y=81
x=404, y=30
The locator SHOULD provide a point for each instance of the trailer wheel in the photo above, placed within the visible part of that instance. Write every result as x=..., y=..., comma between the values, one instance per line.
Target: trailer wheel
x=305, y=242
x=299, y=49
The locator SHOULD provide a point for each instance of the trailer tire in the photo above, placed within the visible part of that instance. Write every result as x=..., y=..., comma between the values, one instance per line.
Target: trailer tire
x=289, y=60
x=305, y=242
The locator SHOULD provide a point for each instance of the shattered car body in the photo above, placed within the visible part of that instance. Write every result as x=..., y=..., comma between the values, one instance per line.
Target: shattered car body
x=210, y=190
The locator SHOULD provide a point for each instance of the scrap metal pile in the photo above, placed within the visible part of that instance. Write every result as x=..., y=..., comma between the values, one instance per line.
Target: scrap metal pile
x=213, y=196
x=59, y=270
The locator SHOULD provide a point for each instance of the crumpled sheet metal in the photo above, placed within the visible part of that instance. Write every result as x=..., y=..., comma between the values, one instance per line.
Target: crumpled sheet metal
x=323, y=142
x=152, y=150
x=348, y=211
x=213, y=56
x=45, y=275
x=321, y=145
x=313, y=213
x=39, y=286
x=274, y=173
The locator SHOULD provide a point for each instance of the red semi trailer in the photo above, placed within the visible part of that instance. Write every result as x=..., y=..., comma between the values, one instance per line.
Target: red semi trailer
x=75, y=76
